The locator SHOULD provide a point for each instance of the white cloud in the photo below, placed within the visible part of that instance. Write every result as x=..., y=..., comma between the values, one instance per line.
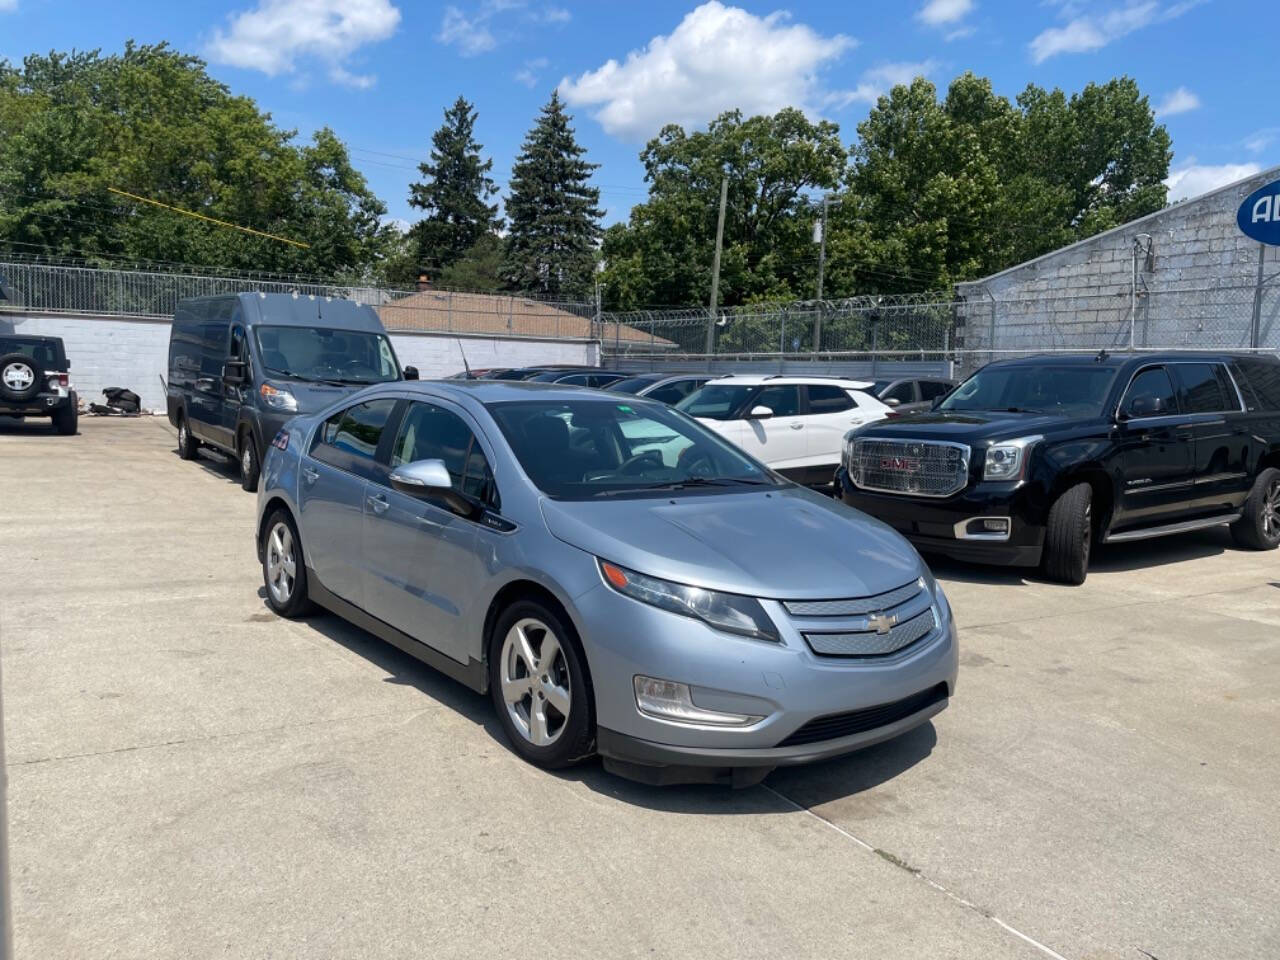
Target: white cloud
x=472, y=33
x=960, y=33
x=940, y=12
x=1181, y=100
x=1193, y=179
x=528, y=74
x=878, y=81
x=1086, y=32
x=1259, y=140
x=273, y=36
x=718, y=58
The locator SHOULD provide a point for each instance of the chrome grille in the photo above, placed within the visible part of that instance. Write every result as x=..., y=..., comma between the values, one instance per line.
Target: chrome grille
x=855, y=606
x=920, y=468
x=869, y=643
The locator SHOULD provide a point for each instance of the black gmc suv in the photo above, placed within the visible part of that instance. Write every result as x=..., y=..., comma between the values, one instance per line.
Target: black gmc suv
x=1030, y=461
x=35, y=382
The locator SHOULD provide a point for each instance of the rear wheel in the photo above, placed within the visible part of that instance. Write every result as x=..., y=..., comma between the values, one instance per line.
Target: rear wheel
x=284, y=572
x=249, y=468
x=188, y=446
x=66, y=420
x=540, y=686
x=1259, y=525
x=1068, y=538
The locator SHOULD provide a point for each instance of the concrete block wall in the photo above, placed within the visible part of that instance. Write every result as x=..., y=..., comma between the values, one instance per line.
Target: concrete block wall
x=134, y=353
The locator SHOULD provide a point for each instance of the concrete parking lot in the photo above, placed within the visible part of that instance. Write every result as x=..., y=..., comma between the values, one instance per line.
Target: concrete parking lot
x=191, y=777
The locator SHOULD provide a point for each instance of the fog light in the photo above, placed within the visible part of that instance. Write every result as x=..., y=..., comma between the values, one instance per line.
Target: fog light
x=668, y=700
x=995, y=525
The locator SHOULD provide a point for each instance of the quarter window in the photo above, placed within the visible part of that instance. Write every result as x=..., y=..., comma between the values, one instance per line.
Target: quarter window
x=429, y=432
x=829, y=399
x=1263, y=377
x=1202, y=389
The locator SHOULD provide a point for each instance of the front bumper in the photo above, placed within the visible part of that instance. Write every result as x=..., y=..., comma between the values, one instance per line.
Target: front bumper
x=930, y=524
x=786, y=683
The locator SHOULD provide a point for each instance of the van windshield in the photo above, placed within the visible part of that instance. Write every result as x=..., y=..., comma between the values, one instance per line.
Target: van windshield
x=317, y=353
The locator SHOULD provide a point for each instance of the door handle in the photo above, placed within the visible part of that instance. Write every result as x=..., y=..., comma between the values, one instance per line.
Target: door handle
x=310, y=475
x=797, y=426
x=378, y=503
x=428, y=521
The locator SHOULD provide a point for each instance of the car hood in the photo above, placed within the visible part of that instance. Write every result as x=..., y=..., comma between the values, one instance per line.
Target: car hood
x=784, y=543
x=967, y=426
x=313, y=397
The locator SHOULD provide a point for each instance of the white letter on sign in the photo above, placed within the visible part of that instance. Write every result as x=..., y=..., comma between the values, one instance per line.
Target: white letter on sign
x=1262, y=210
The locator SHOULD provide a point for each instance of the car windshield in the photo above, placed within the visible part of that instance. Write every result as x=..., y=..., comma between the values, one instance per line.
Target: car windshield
x=631, y=384
x=316, y=353
x=585, y=449
x=715, y=401
x=1074, y=389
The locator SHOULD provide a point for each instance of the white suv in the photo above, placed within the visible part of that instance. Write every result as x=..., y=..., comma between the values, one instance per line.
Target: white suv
x=796, y=425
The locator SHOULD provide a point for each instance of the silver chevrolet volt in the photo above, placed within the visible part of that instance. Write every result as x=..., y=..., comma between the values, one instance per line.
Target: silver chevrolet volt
x=621, y=580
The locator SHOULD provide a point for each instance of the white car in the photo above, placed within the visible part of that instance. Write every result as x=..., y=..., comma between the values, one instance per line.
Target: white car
x=796, y=425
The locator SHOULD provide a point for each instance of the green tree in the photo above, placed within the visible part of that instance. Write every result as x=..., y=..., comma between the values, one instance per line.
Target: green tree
x=553, y=211
x=480, y=268
x=664, y=254
x=152, y=122
x=454, y=192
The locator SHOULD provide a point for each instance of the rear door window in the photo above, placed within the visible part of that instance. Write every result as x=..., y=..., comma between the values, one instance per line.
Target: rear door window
x=1263, y=377
x=824, y=398
x=1202, y=389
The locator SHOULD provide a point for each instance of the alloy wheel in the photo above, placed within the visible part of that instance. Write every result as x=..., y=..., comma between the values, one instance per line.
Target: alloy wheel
x=246, y=461
x=535, y=682
x=282, y=565
x=1088, y=532
x=1271, y=511
x=182, y=433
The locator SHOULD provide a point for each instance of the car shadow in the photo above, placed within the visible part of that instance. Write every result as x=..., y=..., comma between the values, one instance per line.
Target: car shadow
x=825, y=780
x=11, y=427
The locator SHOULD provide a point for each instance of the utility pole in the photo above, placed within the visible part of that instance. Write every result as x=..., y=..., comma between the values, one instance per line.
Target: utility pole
x=715, y=270
x=822, y=242
x=1255, y=328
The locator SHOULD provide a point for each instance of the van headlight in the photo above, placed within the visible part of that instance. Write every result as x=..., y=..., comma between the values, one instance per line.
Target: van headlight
x=1007, y=460
x=278, y=398
x=724, y=611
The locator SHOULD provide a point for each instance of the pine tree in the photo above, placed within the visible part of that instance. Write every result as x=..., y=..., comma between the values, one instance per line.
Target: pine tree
x=553, y=213
x=453, y=192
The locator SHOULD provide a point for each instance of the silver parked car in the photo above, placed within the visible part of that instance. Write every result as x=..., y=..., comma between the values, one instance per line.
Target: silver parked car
x=621, y=579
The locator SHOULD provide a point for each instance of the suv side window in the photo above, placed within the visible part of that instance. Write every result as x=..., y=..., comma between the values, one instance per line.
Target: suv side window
x=783, y=400
x=1263, y=378
x=349, y=439
x=824, y=398
x=1150, y=395
x=905, y=392
x=1201, y=388
x=932, y=389
x=429, y=432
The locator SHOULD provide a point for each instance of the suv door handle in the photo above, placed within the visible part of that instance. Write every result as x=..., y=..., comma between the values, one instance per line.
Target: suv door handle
x=797, y=426
x=310, y=475
x=378, y=503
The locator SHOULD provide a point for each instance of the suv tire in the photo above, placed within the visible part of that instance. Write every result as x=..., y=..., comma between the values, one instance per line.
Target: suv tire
x=574, y=736
x=1068, y=536
x=1259, y=525
x=20, y=365
x=250, y=469
x=281, y=548
x=66, y=420
x=188, y=446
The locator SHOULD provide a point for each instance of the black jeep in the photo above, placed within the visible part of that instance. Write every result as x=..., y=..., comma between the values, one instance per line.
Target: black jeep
x=1030, y=461
x=35, y=381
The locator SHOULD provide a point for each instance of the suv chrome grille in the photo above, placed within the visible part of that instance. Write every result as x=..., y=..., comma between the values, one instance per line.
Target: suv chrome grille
x=919, y=468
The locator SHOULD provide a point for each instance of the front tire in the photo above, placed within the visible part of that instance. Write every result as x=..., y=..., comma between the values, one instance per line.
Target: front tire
x=541, y=687
x=1259, y=525
x=188, y=446
x=284, y=571
x=250, y=470
x=1068, y=538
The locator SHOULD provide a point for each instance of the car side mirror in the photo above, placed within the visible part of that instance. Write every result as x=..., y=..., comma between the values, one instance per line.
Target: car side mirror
x=760, y=412
x=429, y=480
x=1143, y=407
x=411, y=373
x=233, y=372
x=892, y=401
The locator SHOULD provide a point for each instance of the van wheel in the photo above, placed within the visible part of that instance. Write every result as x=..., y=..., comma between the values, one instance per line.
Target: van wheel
x=249, y=467
x=188, y=446
x=1259, y=525
x=1069, y=536
x=540, y=686
x=284, y=571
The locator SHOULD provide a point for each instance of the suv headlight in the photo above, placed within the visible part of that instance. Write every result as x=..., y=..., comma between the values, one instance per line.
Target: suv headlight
x=278, y=397
x=1007, y=460
x=724, y=611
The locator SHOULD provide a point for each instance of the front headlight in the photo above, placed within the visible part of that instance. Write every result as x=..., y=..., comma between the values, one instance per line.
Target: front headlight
x=1007, y=460
x=278, y=397
x=941, y=606
x=724, y=611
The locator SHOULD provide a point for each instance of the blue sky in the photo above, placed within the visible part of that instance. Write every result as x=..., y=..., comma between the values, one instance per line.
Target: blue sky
x=380, y=72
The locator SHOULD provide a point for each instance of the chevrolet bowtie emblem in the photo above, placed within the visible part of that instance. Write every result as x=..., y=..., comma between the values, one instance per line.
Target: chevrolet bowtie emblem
x=882, y=623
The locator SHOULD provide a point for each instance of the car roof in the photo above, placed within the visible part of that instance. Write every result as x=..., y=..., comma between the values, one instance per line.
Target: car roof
x=1155, y=356
x=297, y=310
x=502, y=391
x=756, y=380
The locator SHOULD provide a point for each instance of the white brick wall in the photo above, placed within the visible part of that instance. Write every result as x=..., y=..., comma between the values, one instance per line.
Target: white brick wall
x=133, y=353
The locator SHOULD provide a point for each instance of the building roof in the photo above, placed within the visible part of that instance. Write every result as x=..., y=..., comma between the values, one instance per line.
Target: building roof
x=497, y=314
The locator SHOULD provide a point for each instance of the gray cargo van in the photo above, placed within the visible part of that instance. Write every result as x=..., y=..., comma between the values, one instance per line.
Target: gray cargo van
x=240, y=365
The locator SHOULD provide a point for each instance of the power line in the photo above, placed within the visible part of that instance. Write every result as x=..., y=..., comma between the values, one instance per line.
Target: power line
x=213, y=220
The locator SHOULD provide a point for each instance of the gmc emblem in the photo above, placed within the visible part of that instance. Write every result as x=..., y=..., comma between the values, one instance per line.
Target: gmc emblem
x=900, y=464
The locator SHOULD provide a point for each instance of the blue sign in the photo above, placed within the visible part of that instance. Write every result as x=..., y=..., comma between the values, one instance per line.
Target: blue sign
x=1259, y=215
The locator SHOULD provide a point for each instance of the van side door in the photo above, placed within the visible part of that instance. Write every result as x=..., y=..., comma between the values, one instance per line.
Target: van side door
x=235, y=395
x=205, y=405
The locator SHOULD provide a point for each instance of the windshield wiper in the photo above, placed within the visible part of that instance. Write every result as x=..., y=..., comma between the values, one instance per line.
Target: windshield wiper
x=1022, y=410
x=686, y=484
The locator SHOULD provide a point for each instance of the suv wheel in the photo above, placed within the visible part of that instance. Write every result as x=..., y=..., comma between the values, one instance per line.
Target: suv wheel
x=21, y=378
x=540, y=686
x=66, y=420
x=187, y=444
x=1069, y=536
x=1259, y=525
x=249, y=469
x=284, y=572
